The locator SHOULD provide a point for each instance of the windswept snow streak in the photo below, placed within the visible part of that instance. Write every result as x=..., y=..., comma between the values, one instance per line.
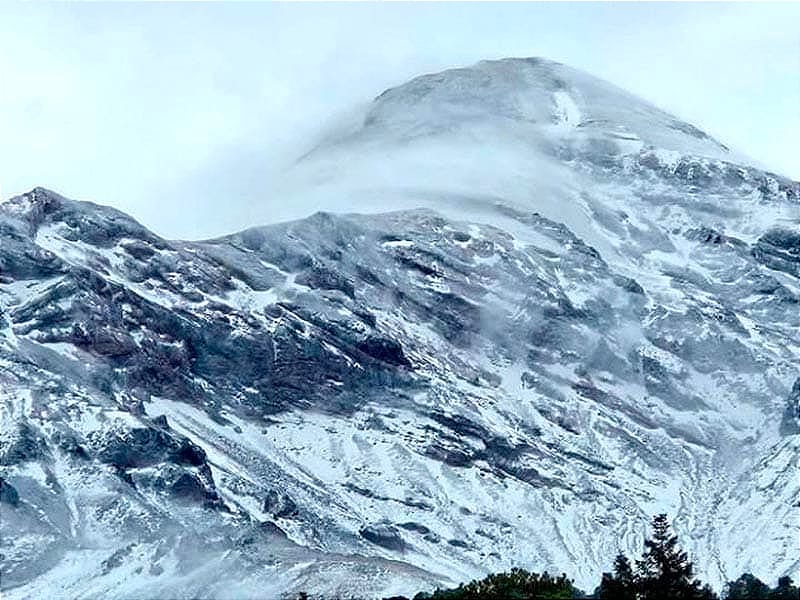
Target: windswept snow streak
x=567, y=111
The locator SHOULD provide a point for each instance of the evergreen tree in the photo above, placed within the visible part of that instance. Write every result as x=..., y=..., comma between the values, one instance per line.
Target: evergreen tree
x=786, y=590
x=621, y=585
x=517, y=584
x=747, y=587
x=665, y=572
x=707, y=593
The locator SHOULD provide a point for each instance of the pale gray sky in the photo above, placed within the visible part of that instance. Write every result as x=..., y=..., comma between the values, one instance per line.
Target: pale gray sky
x=181, y=114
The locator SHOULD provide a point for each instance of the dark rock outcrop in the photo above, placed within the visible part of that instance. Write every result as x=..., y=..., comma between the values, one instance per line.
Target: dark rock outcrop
x=779, y=249
x=280, y=506
x=26, y=444
x=8, y=493
x=790, y=425
x=383, y=535
x=146, y=446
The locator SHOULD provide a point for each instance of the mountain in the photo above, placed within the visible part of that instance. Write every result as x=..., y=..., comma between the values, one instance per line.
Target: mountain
x=581, y=312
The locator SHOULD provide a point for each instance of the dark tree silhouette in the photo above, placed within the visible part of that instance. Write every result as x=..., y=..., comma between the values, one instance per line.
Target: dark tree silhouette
x=750, y=587
x=786, y=590
x=747, y=587
x=621, y=585
x=665, y=571
x=517, y=584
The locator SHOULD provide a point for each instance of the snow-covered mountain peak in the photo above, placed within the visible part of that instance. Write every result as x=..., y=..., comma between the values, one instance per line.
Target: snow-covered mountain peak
x=531, y=135
x=538, y=98
x=562, y=329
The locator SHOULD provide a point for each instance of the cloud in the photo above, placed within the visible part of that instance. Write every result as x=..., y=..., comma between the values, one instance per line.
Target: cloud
x=185, y=114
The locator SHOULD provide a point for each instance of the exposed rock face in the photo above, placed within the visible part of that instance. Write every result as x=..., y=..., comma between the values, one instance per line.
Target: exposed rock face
x=791, y=418
x=395, y=399
x=8, y=494
x=779, y=249
x=384, y=535
x=280, y=506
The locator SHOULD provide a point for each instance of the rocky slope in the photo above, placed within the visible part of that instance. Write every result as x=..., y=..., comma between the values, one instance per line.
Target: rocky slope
x=586, y=312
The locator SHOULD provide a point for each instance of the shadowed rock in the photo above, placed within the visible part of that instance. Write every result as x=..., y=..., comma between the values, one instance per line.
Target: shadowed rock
x=8, y=493
x=383, y=535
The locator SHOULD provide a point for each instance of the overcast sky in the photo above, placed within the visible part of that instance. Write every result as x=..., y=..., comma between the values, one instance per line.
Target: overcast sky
x=182, y=114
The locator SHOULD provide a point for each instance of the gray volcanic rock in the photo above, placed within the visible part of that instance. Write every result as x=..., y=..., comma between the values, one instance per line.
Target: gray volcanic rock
x=791, y=418
x=779, y=249
x=592, y=323
x=384, y=535
x=8, y=494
